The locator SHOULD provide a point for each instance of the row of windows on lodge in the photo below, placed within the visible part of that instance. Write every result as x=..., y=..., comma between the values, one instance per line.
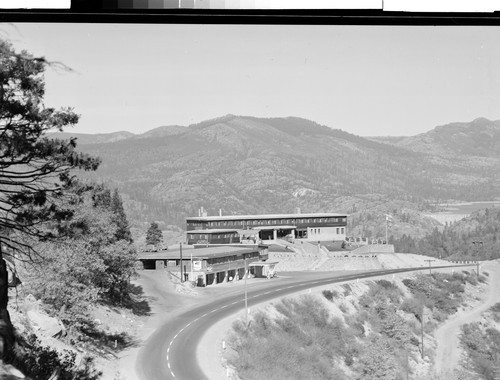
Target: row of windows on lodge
x=214, y=236
x=340, y=230
x=261, y=222
x=318, y=230
x=226, y=259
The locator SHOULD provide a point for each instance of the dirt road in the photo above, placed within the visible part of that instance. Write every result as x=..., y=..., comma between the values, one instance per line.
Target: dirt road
x=448, y=349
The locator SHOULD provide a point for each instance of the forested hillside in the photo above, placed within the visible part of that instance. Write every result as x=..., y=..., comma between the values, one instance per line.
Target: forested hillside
x=475, y=237
x=255, y=165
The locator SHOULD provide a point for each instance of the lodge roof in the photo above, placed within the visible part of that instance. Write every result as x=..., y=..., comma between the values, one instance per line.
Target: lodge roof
x=212, y=231
x=266, y=216
x=198, y=253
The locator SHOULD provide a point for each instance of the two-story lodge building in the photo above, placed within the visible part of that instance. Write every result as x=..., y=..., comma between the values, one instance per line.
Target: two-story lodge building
x=235, y=228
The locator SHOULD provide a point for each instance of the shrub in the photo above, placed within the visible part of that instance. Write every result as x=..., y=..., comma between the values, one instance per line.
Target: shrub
x=481, y=348
x=347, y=288
x=298, y=343
x=330, y=294
x=40, y=362
x=495, y=308
x=471, y=279
x=343, y=308
x=413, y=305
x=386, y=284
x=482, y=279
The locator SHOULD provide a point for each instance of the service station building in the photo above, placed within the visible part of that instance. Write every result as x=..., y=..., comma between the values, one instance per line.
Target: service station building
x=213, y=264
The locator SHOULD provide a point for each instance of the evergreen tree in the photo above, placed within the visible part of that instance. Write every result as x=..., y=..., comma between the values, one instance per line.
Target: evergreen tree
x=123, y=231
x=154, y=235
x=36, y=178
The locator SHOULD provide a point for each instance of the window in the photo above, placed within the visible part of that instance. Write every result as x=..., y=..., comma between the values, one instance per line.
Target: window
x=338, y=230
x=342, y=230
x=319, y=230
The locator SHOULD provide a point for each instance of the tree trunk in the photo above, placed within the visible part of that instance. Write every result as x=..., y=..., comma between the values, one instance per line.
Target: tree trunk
x=6, y=328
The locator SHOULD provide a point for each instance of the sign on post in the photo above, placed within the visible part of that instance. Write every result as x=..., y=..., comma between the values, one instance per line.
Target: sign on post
x=197, y=265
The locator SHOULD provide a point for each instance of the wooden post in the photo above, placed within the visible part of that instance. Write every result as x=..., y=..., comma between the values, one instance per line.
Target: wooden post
x=422, y=329
x=182, y=277
x=246, y=293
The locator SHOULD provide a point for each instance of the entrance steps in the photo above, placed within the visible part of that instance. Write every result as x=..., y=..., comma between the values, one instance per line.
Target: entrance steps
x=288, y=245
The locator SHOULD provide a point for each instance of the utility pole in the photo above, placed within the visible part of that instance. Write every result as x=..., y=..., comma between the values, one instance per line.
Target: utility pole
x=246, y=293
x=422, y=330
x=429, y=261
x=181, y=263
x=388, y=218
x=478, y=245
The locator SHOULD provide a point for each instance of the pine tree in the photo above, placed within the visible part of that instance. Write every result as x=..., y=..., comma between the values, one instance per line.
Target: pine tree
x=36, y=173
x=154, y=235
x=123, y=232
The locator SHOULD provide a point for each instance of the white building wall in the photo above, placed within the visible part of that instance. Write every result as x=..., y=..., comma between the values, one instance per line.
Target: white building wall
x=325, y=233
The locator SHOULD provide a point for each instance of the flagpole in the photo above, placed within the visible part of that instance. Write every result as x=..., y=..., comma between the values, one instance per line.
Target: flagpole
x=387, y=218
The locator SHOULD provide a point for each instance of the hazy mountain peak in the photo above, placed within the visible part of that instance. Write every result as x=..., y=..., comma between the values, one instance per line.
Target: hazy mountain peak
x=167, y=130
x=479, y=137
x=98, y=138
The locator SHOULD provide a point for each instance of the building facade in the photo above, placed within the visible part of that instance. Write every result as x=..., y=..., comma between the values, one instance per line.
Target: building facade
x=213, y=236
x=211, y=265
x=309, y=227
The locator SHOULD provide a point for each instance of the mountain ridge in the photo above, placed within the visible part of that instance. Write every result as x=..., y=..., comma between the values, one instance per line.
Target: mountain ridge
x=248, y=165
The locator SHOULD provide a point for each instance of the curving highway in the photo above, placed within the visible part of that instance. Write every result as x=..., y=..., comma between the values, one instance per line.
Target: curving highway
x=170, y=353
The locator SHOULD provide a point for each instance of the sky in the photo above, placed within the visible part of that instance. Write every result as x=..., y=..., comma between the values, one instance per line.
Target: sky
x=366, y=80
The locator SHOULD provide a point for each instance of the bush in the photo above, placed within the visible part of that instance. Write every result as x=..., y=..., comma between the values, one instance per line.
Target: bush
x=495, y=308
x=413, y=306
x=41, y=362
x=386, y=284
x=296, y=344
x=330, y=294
x=343, y=308
x=472, y=279
x=481, y=349
x=348, y=289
